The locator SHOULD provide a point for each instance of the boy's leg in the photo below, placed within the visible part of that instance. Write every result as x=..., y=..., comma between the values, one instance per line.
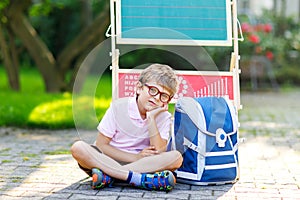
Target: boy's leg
x=89, y=158
x=170, y=160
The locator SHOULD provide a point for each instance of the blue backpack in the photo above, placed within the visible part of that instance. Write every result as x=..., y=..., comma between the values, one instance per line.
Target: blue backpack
x=205, y=132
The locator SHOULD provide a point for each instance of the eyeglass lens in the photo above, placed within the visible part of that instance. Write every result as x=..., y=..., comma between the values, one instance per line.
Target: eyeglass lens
x=153, y=91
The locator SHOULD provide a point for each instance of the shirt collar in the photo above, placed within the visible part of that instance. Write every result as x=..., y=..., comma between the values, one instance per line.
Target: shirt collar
x=134, y=112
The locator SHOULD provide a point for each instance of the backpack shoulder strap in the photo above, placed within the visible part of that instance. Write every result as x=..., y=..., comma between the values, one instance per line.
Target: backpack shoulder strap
x=189, y=105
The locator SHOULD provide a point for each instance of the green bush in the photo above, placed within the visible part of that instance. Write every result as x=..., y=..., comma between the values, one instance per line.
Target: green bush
x=32, y=107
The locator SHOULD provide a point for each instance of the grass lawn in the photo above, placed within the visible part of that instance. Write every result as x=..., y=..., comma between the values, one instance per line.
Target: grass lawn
x=32, y=107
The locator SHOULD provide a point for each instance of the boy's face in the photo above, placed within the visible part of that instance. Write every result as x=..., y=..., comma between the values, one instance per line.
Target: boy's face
x=152, y=95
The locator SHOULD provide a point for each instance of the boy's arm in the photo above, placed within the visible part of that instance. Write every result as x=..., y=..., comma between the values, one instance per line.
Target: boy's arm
x=102, y=142
x=156, y=140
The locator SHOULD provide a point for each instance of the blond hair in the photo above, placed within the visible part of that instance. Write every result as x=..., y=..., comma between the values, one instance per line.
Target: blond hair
x=161, y=74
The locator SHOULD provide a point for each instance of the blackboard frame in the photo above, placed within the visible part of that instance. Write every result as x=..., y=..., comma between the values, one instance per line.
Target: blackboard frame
x=138, y=35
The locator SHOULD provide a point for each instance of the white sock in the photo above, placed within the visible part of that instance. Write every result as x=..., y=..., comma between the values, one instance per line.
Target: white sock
x=134, y=178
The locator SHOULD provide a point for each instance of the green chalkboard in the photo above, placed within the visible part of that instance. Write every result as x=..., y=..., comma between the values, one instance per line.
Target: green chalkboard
x=178, y=22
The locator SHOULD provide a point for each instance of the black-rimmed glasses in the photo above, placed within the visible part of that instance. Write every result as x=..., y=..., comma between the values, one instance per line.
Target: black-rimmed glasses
x=153, y=91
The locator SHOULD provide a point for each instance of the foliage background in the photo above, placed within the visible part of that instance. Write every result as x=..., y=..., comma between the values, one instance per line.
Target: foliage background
x=282, y=40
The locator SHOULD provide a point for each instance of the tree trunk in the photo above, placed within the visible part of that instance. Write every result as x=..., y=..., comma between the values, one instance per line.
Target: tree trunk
x=81, y=46
x=11, y=68
x=86, y=13
x=13, y=49
x=54, y=71
x=84, y=40
x=43, y=58
x=38, y=50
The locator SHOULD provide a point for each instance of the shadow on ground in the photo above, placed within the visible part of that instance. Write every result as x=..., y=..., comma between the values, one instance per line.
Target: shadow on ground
x=82, y=190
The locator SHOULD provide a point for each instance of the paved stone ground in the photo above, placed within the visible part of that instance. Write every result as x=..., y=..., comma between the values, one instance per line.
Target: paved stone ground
x=35, y=164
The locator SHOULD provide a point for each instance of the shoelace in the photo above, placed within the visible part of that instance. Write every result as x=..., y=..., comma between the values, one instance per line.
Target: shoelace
x=159, y=180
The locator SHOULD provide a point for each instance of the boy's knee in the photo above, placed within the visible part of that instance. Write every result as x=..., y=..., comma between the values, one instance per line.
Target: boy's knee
x=76, y=148
x=178, y=159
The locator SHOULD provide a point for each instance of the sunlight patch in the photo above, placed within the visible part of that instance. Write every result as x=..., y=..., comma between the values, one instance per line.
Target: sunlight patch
x=59, y=113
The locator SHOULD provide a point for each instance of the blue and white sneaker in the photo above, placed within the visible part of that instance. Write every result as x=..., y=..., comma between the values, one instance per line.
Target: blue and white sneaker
x=164, y=181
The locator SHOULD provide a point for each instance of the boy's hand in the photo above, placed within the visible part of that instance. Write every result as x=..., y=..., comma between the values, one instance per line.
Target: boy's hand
x=148, y=151
x=153, y=113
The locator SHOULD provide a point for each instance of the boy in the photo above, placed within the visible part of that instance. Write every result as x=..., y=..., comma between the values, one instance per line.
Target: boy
x=133, y=133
